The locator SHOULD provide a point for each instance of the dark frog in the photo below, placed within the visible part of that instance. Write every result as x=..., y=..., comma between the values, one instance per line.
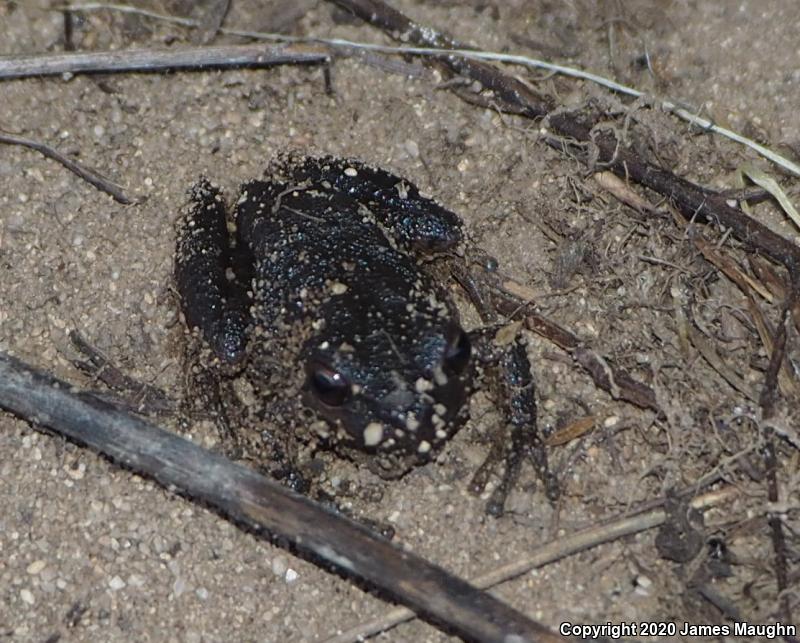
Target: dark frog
x=322, y=321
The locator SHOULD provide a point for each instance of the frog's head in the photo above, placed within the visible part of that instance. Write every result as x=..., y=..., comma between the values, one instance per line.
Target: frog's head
x=396, y=393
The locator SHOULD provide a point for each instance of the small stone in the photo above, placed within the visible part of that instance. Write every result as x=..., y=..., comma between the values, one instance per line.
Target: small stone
x=179, y=586
x=76, y=473
x=134, y=580
x=35, y=567
x=279, y=565
x=116, y=583
x=643, y=585
x=291, y=575
x=27, y=596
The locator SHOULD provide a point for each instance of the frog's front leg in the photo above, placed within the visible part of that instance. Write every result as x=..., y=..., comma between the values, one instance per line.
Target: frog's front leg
x=503, y=365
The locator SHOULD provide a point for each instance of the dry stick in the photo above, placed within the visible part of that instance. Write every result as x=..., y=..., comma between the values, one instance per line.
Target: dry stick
x=548, y=553
x=691, y=199
x=87, y=174
x=513, y=96
x=615, y=381
x=769, y=396
x=148, y=60
x=252, y=499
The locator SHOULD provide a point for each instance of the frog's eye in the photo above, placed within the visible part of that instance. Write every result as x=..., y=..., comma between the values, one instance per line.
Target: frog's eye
x=329, y=386
x=456, y=357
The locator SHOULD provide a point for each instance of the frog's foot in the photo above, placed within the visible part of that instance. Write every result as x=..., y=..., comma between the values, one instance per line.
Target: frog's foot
x=125, y=391
x=504, y=368
x=510, y=454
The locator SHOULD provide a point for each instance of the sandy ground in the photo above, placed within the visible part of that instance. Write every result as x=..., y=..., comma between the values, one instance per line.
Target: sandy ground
x=92, y=552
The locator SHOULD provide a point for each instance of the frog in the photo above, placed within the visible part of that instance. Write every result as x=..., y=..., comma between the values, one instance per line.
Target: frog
x=318, y=299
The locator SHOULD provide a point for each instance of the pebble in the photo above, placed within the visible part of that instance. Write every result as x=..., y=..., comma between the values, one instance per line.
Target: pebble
x=179, y=586
x=134, y=580
x=27, y=596
x=116, y=583
x=643, y=585
x=279, y=565
x=76, y=473
x=611, y=420
x=35, y=567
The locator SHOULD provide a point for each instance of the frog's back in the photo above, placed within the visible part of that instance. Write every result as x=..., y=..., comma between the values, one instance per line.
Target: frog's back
x=313, y=246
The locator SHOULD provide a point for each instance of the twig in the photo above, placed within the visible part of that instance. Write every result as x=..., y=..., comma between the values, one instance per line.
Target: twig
x=767, y=402
x=717, y=363
x=87, y=174
x=150, y=60
x=615, y=381
x=673, y=107
x=548, y=553
x=139, y=398
x=729, y=268
x=248, y=497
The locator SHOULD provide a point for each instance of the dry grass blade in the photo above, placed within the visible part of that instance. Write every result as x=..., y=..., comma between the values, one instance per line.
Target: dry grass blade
x=717, y=363
x=671, y=106
x=766, y=182
x=572, y=431
x=548, y=553
x=728, y=266
x=786, y=379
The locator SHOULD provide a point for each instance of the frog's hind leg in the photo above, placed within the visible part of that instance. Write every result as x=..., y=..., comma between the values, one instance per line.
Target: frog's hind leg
x=416, y=222
x=213, y=298
x=213, y=301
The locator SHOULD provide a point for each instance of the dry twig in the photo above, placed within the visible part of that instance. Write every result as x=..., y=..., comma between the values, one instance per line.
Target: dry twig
x=150, y=60
x=87, y=174
x=768, y=399
x=341, y=44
